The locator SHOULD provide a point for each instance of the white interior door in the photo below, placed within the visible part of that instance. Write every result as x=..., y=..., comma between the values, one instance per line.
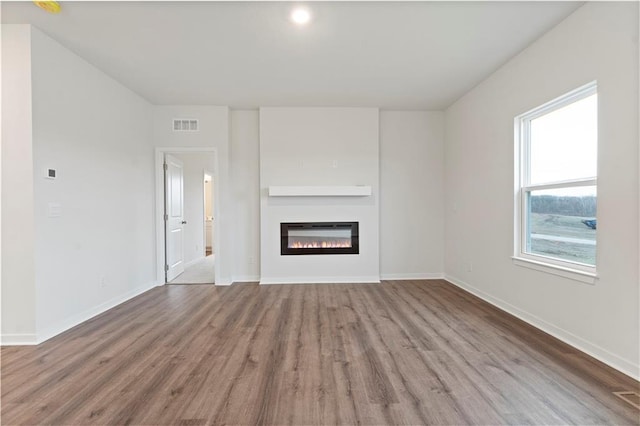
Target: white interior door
x=174, y=216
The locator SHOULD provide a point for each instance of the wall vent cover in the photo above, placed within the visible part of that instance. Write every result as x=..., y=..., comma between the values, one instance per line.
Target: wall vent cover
x=631, y=397
x=185, y=125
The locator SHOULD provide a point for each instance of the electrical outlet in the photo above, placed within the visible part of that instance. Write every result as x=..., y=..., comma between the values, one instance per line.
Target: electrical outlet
x=103, y=282
x=469, y=267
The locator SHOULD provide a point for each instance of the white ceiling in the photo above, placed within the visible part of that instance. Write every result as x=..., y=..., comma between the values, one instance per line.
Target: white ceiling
x=247, y=54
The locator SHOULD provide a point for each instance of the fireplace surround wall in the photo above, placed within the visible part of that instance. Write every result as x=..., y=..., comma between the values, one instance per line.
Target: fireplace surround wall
x=312, y=153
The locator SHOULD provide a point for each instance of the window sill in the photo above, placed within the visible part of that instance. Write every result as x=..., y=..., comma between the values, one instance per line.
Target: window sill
x=573, y=274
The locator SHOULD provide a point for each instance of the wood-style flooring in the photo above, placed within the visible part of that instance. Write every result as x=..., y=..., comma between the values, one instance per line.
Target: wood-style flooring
x=402, y=352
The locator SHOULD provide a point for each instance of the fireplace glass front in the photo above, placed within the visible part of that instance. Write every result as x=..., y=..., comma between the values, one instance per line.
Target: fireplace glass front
x=319, y=238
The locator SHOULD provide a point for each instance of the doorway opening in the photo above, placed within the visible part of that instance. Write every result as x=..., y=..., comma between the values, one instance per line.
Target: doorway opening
x=188, y=213
x=208, y=214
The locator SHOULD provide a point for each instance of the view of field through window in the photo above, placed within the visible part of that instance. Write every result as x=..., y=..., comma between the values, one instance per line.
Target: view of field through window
x=563, y=226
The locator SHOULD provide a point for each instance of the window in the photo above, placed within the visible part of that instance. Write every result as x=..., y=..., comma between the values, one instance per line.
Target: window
x=556, y=182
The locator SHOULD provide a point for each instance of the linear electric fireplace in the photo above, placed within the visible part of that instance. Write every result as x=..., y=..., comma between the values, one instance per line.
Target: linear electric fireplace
x=319, y=238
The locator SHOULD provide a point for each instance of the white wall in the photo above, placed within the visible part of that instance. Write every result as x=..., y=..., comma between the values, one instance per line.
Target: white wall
x=245, y=181
x=319, y=146
x=411, y=194
x=195, y=165
x=598, y=42
x=18, y=276
x=213, y=133
x=97, y=134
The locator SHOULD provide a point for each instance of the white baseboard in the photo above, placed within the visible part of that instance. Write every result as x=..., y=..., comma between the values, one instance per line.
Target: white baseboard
x=66, y=324
x=223, y=283
x=624, y=366
x=413, y=276
x=18, y=339
x=322, y=280
x=246, y=279
x=307, y=280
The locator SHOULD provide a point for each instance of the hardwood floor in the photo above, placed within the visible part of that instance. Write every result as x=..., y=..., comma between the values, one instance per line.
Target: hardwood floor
x=403, y=352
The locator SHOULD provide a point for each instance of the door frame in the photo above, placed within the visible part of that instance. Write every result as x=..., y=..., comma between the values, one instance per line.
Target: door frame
x=159, y=213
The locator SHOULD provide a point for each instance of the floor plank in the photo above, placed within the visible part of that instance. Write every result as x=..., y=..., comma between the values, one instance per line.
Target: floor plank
x=402, y=352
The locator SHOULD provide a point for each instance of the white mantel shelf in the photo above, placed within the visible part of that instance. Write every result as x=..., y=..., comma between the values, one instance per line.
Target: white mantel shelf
x=320, y=191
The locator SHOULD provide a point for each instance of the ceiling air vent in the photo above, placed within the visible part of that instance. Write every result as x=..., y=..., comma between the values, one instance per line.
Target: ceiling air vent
x=185, y=125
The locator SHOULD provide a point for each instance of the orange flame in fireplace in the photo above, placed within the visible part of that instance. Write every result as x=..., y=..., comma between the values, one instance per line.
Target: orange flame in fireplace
x=320, y=244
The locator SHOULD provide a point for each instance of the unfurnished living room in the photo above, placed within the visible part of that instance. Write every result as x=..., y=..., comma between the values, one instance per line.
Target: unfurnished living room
x=314, y=213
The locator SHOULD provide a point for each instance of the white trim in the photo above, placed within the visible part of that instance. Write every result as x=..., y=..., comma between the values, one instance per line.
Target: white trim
x=246, y=279
x=562, y=271
x=561, y=101
x=624, y=366
x=68, y=323
x=223, y=283
x=159, y=160
x=322, y=280
x=413, y=276
x=18, y=340
x=577, y=183
x=320, y=191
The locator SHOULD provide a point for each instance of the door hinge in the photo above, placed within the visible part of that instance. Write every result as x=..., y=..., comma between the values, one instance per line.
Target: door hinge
x=166, y=217
x=166, y=268
x=165, y=166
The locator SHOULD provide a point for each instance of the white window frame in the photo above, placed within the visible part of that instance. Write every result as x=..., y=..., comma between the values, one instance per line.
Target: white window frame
x=522, y=124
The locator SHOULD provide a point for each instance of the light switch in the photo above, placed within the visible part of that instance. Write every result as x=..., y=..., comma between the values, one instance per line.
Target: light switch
x=50, y=173
x=54, y=210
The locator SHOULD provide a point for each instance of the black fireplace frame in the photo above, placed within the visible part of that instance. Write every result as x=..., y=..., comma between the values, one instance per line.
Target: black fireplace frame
x=284, y=238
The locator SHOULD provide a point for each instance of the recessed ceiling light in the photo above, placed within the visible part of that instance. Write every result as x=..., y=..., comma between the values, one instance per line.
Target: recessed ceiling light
x=300, y=16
